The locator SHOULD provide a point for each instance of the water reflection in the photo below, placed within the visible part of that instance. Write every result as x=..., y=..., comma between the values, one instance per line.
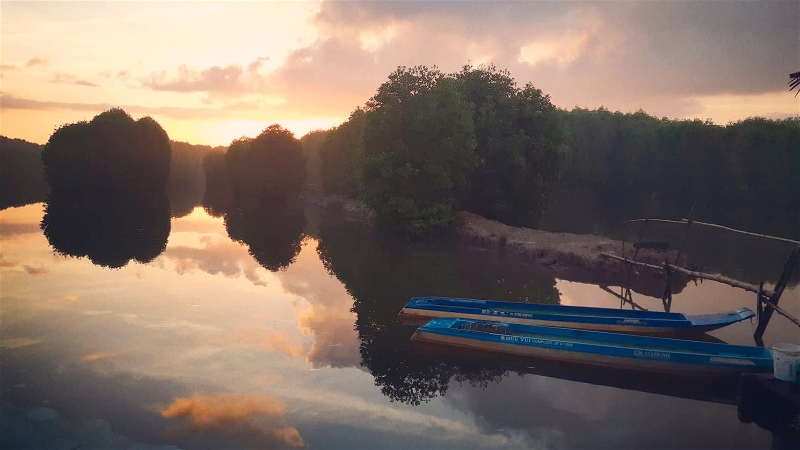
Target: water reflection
x=272, y=232
x=381, y=276
x=253, y=420
x=204, y=348
x=109, y=229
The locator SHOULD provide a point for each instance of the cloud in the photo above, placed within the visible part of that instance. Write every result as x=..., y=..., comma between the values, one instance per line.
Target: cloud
x=36, y=62
x=65, y=78
x=10, y=102
x=624, y=55
x=35, y=271
x=6, y=263
x=64, y=299
x=328, y=319
x=96, y=356
x=18, y=342
x=10, y=229
x=221, y=256
x=231, y=80
x=257, y=419
x=255, y=336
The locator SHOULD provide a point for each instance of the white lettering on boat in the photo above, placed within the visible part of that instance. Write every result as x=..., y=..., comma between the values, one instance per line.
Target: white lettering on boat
x=495, y=312
x=530, y=340
x=629, y=321
x=652, y=354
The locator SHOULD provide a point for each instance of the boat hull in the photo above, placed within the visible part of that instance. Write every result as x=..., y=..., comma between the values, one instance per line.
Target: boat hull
x=420, y=310
x=593, y=348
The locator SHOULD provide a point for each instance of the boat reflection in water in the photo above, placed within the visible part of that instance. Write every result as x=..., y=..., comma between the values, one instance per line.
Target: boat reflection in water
x=717, y=389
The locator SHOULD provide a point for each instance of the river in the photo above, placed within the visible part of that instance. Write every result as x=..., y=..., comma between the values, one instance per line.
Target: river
x=203, y=347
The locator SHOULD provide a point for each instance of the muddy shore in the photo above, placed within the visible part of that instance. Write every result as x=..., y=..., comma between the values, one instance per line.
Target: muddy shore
x=567, y=256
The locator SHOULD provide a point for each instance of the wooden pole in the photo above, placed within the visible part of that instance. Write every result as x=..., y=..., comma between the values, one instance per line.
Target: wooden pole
x=713, y=225
x=634, y=305
x=775, y=296
x=692, y=273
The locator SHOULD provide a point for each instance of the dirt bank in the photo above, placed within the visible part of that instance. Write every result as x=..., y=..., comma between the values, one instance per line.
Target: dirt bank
x=573, y=257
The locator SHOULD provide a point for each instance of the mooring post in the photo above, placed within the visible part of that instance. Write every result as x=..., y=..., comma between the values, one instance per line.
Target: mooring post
x=666, y=298
x=766, y=313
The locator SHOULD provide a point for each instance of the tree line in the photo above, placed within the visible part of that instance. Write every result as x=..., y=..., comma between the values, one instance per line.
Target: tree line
x=428, y=144
x=745, y=173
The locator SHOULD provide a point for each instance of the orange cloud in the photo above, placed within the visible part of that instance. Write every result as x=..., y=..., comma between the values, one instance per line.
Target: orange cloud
x=35, y=271
x=96, y=356
x=280, y=341
x=255, y=337
x=64, y=299
x=235, y=415
x=6, y=263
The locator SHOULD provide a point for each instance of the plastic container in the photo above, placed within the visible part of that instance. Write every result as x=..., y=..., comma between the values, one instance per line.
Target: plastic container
x=786, y=362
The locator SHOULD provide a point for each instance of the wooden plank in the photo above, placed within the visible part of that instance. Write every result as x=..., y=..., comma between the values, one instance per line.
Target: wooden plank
x=706, y=276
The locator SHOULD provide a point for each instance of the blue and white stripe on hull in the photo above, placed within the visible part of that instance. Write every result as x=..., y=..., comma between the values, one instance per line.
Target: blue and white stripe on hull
x=597, y=348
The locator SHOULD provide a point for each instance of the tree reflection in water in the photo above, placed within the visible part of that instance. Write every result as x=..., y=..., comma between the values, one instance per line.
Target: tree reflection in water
x=272, y=230
x=382, y=275
x=109, y=229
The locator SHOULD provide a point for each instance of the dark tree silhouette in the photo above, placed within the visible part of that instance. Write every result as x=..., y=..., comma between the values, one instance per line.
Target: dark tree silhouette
x=107, y=182
x=271, y=165
x=794, y=81
x=21, y=173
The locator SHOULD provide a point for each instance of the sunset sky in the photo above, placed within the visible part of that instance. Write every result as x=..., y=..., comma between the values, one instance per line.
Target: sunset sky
x=210, y=72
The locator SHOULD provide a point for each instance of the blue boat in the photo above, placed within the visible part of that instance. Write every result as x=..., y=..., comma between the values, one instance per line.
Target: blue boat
x=421, y=309
x=597, y=348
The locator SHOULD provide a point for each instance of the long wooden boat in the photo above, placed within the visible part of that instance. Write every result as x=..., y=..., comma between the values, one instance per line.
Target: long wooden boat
x=597, y=348
x=421, y=309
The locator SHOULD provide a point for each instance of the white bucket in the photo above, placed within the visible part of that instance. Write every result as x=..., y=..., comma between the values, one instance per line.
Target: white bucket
x=786, y=362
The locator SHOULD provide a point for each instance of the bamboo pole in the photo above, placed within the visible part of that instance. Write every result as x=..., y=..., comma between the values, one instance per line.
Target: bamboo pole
x=692, y=273
x=781, y=311
x=713, y=225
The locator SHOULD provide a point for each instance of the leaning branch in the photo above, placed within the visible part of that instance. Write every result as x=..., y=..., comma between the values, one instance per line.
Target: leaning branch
x=694, y=274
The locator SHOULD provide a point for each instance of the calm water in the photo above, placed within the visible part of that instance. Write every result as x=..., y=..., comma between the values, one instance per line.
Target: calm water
x=203, y=347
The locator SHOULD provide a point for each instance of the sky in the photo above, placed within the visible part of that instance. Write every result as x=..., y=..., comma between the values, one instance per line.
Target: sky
x=210, y=72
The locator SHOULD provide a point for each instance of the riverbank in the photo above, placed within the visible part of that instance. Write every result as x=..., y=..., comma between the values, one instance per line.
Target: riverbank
x=567, y=256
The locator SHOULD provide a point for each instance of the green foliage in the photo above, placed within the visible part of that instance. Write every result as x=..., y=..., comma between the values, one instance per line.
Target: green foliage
x=418, y=149
x=21, y=173
x=520, y=144
x=429, y=143
x=663, y=166
x=311, y=150
x=339, y=156
x=271, y=165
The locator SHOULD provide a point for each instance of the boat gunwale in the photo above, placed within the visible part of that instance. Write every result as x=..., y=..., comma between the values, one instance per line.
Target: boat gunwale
x=585, y=315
